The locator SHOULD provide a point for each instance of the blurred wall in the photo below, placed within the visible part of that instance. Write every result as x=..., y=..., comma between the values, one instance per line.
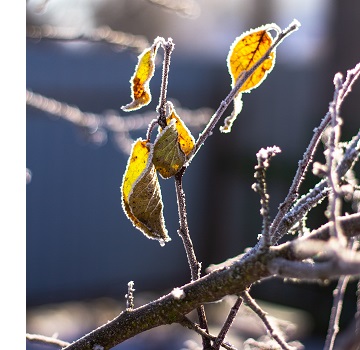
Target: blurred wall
x=79, y=242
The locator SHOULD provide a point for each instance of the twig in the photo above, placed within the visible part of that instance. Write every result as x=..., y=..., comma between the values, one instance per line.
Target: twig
x=319, y=192
x=351, y=77
x=263, y=158
x=130, y=296
x=195, y=266
x=101, y=34
x=187, y=8
x=168, y=47
x=229, y=98
x=357, y=314
x=110, y=121
x=229, y=320
x=338, y=293
x=263, y=316
x=334, y=207
x=46, y=340
x=193, y=326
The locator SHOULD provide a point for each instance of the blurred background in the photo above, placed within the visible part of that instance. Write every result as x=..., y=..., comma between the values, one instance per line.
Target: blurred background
x=81, y=248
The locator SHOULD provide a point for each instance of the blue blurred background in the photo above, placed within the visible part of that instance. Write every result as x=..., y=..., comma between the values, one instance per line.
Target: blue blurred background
x=80, y=245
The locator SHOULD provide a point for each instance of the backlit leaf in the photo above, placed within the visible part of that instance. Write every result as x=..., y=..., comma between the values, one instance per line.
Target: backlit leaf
x=246, y=51
x=172, y=146
x=141, y=195
x=144, y=71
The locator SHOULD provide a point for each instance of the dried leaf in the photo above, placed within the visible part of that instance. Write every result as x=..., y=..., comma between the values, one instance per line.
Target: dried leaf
x=144, y=71
x=246, y=51
x=172, y=146
x=141, y=195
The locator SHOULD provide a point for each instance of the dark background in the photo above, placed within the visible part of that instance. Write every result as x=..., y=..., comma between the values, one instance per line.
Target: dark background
x=80, y=244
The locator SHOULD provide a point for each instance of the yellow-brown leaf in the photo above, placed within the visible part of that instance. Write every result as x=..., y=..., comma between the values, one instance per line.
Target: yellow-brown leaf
x=141, y=194
x=144, y=71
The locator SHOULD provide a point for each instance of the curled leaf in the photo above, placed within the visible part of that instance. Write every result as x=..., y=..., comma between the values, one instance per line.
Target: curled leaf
x=144, y=71
x=141, y=195
x=244, y=53
x=172, y=146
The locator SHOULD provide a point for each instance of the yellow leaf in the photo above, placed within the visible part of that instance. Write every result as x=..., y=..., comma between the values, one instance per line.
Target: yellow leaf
x=144, y=71
x=172, y=146
x=141, y=195
x=244, y=53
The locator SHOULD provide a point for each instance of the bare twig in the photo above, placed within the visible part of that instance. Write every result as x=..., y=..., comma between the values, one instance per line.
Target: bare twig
x=249, y=301
x=292, y=195
x=334, y=207
x=193, y=326
x=130, y=296
x=187, y=8
x=111, y=121
x=195, y=266
x=46, y=340
x=263, y=158
x=168, y=47
x=229, y=320
x=337, y=306
x=101, y=34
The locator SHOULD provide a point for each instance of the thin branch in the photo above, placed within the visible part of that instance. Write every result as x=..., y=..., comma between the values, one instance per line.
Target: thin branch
x=100, y=34
x=187, y=8
x=195, y=266
x=319, y=192
x=168, y=47
x=130, y=296
x=334, y=207
x=193, y=326
x=110, y=121
x=46, y=340
x=320, y=271
x=336, y=312
x=263, y=157
x=338, y=293
x=229, y=320
x=249, y=301
x=292, y=195
x=229, y=98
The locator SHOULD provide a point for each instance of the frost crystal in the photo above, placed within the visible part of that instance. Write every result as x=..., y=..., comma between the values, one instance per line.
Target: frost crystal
x=178, y=293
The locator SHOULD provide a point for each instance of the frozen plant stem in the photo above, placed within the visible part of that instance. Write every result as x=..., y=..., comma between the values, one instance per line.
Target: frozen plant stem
x=251, y=303
x=338, y=293
x=130, y=296
x=193, y=326
x=334, y=207
x=292, y=195
x=195, y=266
x=336, y=312
x=232, y=314
x=263, y=158
x=168, y=47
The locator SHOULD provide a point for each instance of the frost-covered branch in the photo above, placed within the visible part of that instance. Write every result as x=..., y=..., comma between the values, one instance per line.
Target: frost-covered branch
x=251, y=303
x=101, y=34
x=96, y=124
x=46, y=340
x=263, y=158
x=276, y=232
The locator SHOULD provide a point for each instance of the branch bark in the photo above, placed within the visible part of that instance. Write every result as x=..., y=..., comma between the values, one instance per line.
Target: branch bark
x=254, y=266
